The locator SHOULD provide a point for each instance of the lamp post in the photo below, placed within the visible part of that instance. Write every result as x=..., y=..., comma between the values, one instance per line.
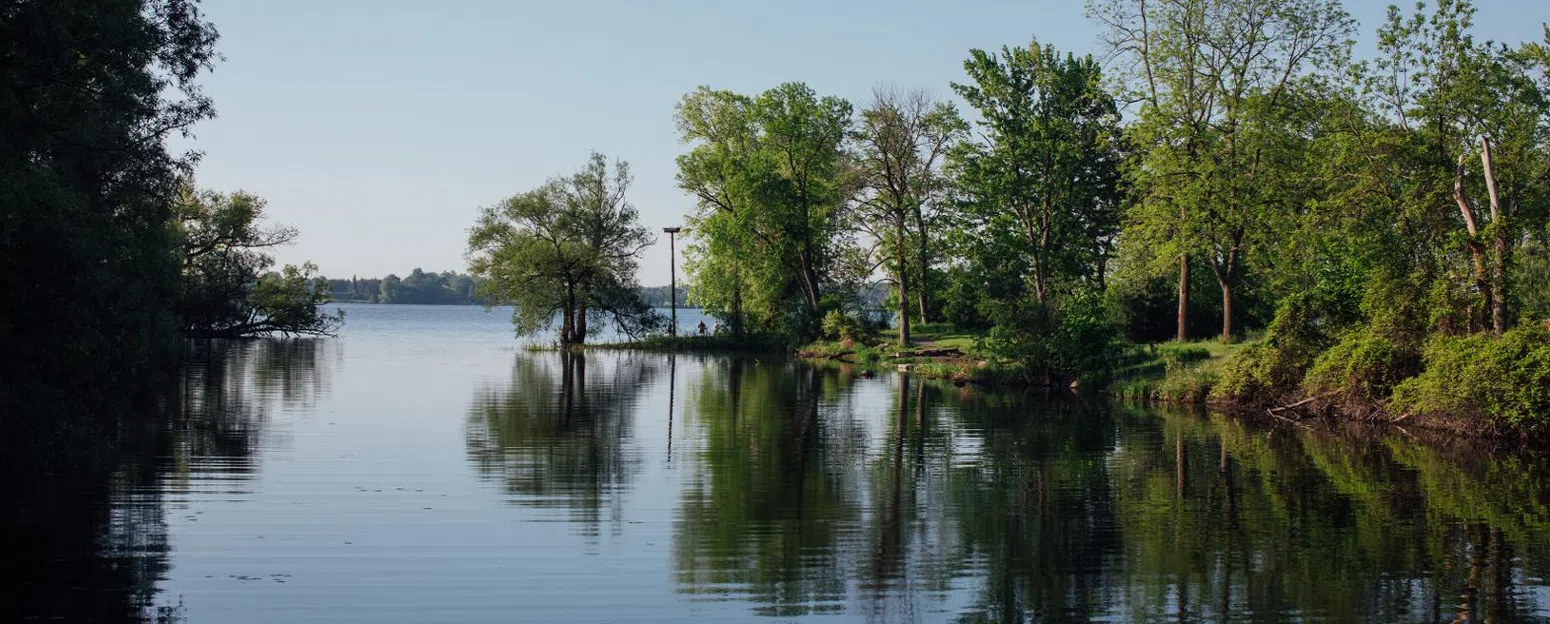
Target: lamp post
x=672, y=270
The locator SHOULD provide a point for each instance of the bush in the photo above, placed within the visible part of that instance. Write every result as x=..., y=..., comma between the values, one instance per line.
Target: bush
x=1504, y=381
x=837, y=325
x=1076, y=341
x=1259, y=373
x=1362, y=368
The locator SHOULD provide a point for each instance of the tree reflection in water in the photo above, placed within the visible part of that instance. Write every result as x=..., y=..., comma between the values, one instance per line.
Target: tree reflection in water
x=555, y=435
x=84, y=524
x=1029, y=510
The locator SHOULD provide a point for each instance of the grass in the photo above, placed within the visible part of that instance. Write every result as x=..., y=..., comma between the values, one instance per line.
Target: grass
x=1174, y=371
x=719, y=344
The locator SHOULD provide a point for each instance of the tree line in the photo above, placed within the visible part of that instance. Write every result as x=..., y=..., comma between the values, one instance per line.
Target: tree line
x=1219, y=167
x=1365, y=212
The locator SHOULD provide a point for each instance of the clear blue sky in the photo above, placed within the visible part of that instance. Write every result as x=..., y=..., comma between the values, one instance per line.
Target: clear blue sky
x=379, y=127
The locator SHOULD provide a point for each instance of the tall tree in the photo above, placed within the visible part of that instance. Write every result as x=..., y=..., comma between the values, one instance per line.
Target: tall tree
x=1048, y=169
x=901, y=142
x=88, y=263
x=569, y=249
x=767, y=175
x=1206, y=73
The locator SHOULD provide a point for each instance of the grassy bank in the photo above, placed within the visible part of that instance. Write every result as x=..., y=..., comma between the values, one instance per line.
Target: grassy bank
x=680, y=344
x=1179, y=372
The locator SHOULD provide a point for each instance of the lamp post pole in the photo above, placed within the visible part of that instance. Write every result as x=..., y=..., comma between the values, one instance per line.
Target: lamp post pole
x=672, y=270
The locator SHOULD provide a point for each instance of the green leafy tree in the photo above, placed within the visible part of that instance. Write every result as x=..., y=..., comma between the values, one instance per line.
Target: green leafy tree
x=570, y=249
x=228, y=290
x=1047, y=174
x=1213, y=79
x=88, y=264
x=769, y=183
x=901, y=143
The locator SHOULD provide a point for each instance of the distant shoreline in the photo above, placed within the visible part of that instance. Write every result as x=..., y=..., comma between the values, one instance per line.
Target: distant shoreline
x=475, y=304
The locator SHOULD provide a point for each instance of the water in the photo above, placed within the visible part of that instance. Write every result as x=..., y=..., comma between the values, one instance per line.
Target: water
x=422, y=467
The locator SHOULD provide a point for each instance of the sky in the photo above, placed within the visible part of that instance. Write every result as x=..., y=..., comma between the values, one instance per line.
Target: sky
x=378, y=128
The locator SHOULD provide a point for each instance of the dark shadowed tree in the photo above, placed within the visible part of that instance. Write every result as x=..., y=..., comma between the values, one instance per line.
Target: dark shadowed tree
x=228, y=290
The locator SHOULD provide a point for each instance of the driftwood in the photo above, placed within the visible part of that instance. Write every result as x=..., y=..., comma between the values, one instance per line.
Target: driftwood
x=1294, y=405
x=1280, y=417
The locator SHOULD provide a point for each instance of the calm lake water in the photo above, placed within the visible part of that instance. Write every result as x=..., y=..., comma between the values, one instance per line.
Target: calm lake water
x=422, y=467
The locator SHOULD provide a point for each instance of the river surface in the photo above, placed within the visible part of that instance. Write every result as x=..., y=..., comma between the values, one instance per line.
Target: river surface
x=424, y=467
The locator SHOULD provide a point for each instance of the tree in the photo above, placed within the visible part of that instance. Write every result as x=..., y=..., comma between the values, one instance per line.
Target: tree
x=227, y=288
x=767, y=176
x=1047, y=173
x=569, y=248
x=1210, y=77
x=88, y=264
x=901, y=143
x=1476, y=101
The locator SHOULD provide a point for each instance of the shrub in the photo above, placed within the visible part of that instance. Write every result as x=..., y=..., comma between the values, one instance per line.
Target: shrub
x=1500, y=380
x=837, y=325
x=1260, y=372
x=1363, y=367
x=1188, y=385
x=1076, y=340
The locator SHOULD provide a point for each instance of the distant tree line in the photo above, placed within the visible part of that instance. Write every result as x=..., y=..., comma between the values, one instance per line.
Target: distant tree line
x=420, y=287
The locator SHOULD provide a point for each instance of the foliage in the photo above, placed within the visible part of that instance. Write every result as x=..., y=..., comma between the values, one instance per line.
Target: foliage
x=1045, y=180
x=1179, y=356
x=1263, y=371
x=566, y=249
x=428, y=288
x=88, y=264
x=1078, y=341
x=766, y=173
x=1501, y=381
x=228, y=290
x=1361, y=369
x=837, y=325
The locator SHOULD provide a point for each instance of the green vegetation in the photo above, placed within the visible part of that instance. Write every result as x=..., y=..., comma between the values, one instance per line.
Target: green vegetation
x=1362, y=214
x=566, y=249
x=228, y=291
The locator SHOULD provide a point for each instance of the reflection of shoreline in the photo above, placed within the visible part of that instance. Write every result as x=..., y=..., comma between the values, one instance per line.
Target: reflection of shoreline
x=1042, y=509
x=86, y=537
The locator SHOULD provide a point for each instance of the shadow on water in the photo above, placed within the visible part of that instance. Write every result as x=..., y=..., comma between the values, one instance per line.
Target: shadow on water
x=86, y=499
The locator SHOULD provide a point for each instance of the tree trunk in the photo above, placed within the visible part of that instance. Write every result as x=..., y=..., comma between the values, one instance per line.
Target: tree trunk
x=1499, y=319
x=1183, y=334
x=1476, y=249
x=568, y=324
x=904, y=283
x=1227, y=295
x=580, y=324
x=923, y=260
x=809, y=280
x=736, y=317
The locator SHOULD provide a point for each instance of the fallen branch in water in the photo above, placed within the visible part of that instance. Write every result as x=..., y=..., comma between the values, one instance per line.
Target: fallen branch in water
x=1299, y=423
x=1301, y=403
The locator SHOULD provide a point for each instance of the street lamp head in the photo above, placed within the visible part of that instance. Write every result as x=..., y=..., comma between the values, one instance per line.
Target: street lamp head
x=671, y=230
